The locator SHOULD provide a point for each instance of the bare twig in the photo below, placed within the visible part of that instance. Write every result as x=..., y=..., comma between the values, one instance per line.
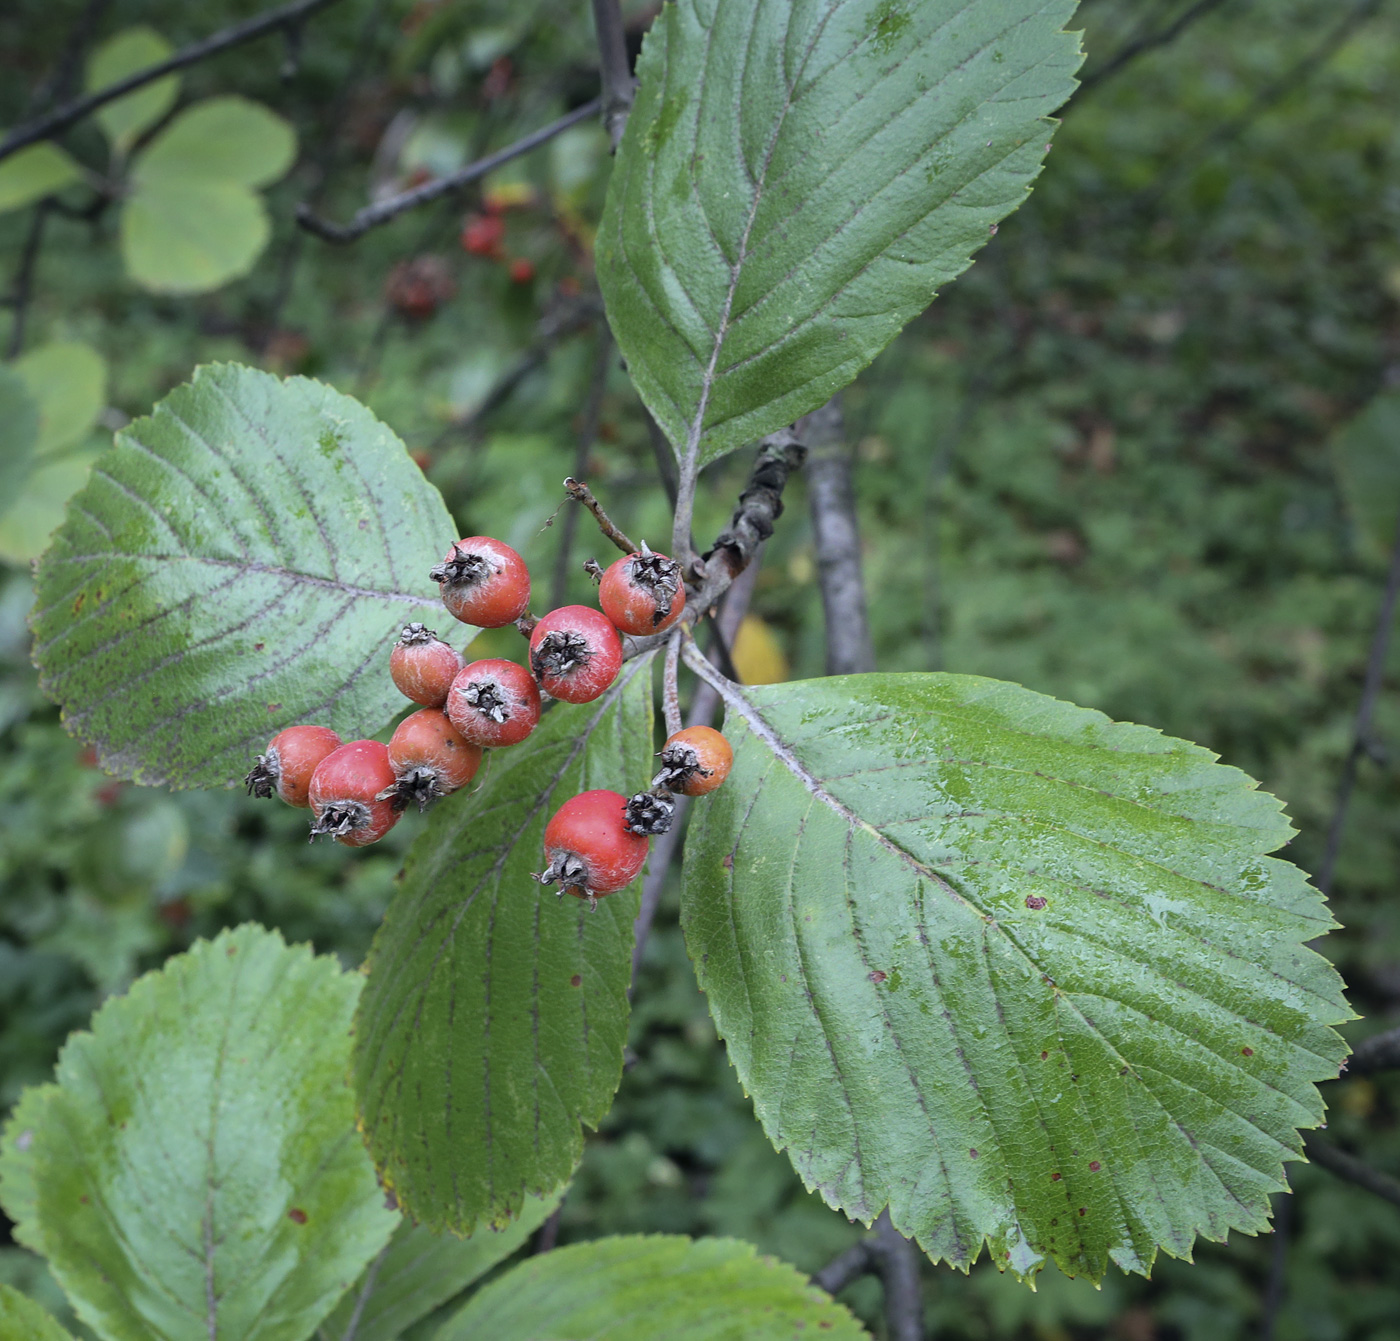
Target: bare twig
x=587, y=435
x=70, y=113
x=832, y=498
x=851, y=1265
x=670, y=687
x=619, y=88
x=1149, y=42
x=1362, y=741
x=372, y=216
x=1276, y=1286
x=1335, y=1160
x=581, y=493
x=898, y=1260
x=1380, y=1052
x=23, y=290
x=548, y=1233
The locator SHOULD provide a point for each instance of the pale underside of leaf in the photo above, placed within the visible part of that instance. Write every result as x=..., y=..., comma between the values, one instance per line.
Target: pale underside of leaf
x=1061, y=998
x=495, y=1014
x=240, y=561
x=798, y=179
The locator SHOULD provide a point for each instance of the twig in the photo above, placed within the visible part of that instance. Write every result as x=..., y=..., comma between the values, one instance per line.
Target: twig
x=832, y=498
x=619, y=88
x=850, y=1265
x=53, y=123
x=663, y=853
x=548, y=1233
x=670, y=687
x=587, y=435
x=899, y=1269
x=1380, y=1052
x=581, y=493
x=1335, y=1160
x=24, y=278
x=372, y=216
x=1362, y=741
x=1150, y=42
x=1276, y=1287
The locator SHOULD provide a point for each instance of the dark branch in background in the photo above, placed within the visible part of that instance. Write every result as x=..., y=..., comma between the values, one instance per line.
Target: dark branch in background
x=1381, y=1052
x=1335, y=1160
x=372, y=216
x=892, y=1257
x=70, y=113
x=23, y=290
x=1363, y=741
x=64, y=79
x=1148, y=42
x=619, y=88
x=665, y=457
x=587, y=435
x=832, y=498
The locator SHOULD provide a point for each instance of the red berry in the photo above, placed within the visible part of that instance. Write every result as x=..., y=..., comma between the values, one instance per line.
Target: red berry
x=521, y=271
x=423, y=666
x=290, y=760
x=418, y=287
x=694, y=761
x=430, y=759
x=494, y=703
x=483, y=582
x=345, y=794
x=482, y=234
x=575, y=653
x=643, y=593
x=588, y=848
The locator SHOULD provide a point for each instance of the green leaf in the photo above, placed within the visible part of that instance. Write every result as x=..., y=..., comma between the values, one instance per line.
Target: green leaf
x=34, y=173
x=128, y=51
x=22, y=1319
x=193, y=222
x=19, y=431
x=684, y=1289
x=37, y=511
x=196, y=1168
x=192, y=237
x=495, y=1014
x=419, y=1271
x=219, y=140
x=1019, y=972
x=17, y=1194
x=798, y=179
x=68, y=379
x=1366, y=451
x=241, y=560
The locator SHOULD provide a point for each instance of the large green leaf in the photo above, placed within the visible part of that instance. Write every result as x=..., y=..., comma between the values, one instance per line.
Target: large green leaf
x=495, y=1015
x=196, y=1169
x=797, y=179
x=22, y=1319
x=193, y=222
x=124, y=54
x=34, y=173
x=419, y=1271
x=619, y=1289
x=1019, y=972
x=240, y=560
x=68, y=380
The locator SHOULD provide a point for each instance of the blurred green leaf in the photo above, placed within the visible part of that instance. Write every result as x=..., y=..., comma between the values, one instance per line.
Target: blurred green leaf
x=68, y=379
x=495, y=1014
x=419, y=1271
x=226, y=139
x=796, y=182
x=37, y=511
x=124, y=54
x=196, y=1167
x=34, y=173
x=22, y=1319
x=684, y=1289
x=18, y=1195
x=1020, y=973
x=1367, y=455
x=254, y=543
x=19, y=431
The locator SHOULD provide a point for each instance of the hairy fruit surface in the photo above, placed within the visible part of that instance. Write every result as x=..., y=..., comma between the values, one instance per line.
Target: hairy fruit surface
x=345, y=794
x=289, y=761
x=694, y=761
x=483, y=582
x=575, y=653
x=422, y=666
x=642, y=593
x=494, y=703
x=588, y=848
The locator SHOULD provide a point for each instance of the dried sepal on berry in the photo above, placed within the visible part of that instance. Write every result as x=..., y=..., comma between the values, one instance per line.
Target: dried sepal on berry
x=494, y=703
x=694, y=761
x=345, y=794
x=430, y=758
x=422, y=666
x=643, y=592
x=650, y=814
x=483, y=582
x=575, y=653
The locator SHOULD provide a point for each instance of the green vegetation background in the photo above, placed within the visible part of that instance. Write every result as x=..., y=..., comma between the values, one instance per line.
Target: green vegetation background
x=1098, y=466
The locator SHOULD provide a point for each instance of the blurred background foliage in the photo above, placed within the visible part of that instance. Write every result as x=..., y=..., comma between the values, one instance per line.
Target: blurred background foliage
x=1104, y=464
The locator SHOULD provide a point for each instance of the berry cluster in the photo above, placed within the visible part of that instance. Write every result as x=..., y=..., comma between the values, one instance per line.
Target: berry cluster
x=596, y=842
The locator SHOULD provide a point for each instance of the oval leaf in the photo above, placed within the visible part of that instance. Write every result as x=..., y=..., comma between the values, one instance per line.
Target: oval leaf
x=420, y=1271
x=227, y=139
x=124, y=54
x=798, y=178
x=19, y=433
x=37, y=511
x=68, y=380
x=34, y=173
x=495, y=1014
x=241, y=560
x=1019, y=972
x=196, y=1169
x=685, y=1289
x=22, y=1319
x=190, y=237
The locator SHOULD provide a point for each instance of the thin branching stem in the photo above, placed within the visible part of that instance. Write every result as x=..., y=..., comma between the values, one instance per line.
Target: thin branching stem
x=619, y=88
x=670, y=684
x=581, y=493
